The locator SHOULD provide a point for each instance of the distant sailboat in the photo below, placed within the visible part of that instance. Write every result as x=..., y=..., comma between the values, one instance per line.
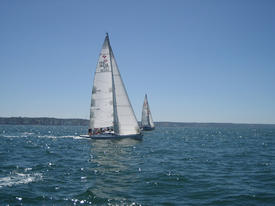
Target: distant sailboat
x=111, y=113
x=146, y=119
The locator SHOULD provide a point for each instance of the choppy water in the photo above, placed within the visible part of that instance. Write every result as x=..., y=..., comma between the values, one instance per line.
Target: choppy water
x=47, y=165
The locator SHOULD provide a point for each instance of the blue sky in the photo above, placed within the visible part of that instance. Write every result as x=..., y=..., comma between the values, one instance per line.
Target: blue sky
x=198, y=60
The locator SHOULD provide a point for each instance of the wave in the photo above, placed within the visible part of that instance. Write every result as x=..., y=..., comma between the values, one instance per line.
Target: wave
x=65, y=136
x=9, y=136
x=44, y=136
x=19, y=178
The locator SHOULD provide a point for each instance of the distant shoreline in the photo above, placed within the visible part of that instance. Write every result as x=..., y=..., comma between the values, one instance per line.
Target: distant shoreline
x=43, y=121
x=84, y=122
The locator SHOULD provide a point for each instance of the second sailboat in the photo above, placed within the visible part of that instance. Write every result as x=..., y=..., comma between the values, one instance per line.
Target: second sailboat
x=146, y=119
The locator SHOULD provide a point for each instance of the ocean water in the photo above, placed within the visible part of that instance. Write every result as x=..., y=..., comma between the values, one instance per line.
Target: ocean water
x=52, y=165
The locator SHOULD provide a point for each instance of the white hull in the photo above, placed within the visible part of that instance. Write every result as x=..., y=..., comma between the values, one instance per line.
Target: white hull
x=112, y=136
x=147, y=128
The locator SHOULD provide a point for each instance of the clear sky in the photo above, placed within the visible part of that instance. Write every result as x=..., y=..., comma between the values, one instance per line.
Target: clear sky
x=198, y=60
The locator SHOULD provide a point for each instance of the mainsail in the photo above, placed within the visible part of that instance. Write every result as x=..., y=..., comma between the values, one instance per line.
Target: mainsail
x=101, y=114
x=110, y=105
x=146, y=119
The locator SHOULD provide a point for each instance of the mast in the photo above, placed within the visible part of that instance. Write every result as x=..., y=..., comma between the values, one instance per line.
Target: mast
x=115, y=117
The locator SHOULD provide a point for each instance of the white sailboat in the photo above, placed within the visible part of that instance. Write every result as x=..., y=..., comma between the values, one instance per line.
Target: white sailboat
x=146, y=119
x=111, y=113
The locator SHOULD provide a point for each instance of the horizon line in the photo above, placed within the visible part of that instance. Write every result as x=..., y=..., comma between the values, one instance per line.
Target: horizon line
x=154, y=121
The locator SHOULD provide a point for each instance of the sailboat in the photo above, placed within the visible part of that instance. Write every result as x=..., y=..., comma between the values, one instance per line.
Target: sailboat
x=111, y=112
x=146, y=119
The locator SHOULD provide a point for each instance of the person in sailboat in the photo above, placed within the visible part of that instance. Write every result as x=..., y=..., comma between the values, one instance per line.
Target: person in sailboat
x=90, y=132
x=97, y=131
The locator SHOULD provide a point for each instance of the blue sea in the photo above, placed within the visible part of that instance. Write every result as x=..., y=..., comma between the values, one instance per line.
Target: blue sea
x=52, y=165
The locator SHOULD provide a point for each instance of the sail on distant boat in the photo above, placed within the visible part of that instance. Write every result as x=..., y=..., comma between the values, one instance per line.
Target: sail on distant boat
x=146, y=119
x=111, y=113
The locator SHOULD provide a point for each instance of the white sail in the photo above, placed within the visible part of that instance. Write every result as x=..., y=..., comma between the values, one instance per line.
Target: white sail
x=146, y=119
x=125, y=122
x=151, y=120
x=101, y=114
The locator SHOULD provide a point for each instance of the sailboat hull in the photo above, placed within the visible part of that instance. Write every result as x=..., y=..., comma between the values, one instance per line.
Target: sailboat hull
x=112, y=136
x=148, y=128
